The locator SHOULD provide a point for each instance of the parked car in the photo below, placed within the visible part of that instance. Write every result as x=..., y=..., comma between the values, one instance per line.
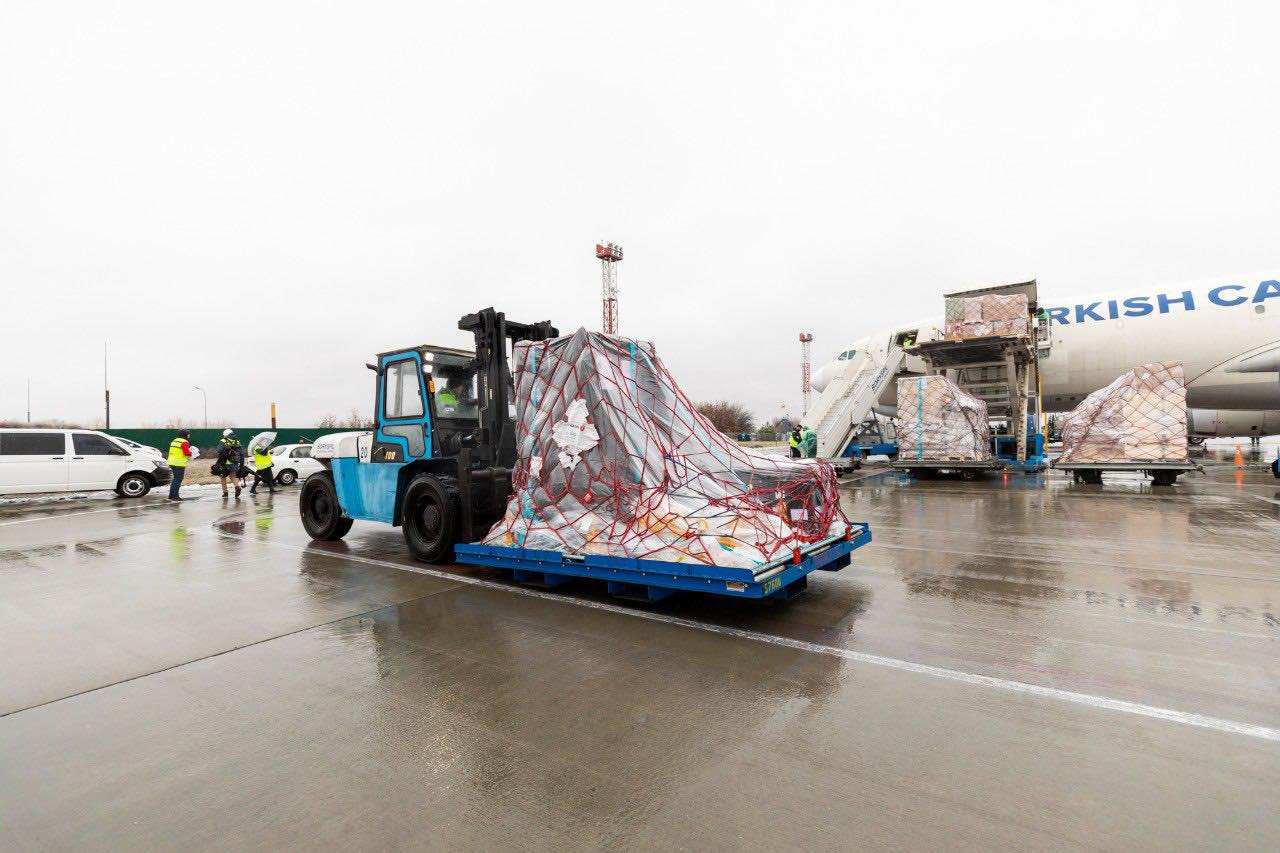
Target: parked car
x=143, y=448
x=76, y=460
x=293, y=462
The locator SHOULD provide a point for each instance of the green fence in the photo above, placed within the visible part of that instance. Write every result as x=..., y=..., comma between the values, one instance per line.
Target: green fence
x=207, y=438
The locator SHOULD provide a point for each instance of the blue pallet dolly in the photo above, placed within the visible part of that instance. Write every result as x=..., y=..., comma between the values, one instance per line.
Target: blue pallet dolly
x=653, y=580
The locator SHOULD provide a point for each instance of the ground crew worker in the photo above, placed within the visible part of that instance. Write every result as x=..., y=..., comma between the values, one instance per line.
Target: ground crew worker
x=262, y=462
x=908, y=342
x=809, y=442
x=230, y=458
x=793, y=441
x=179, y=454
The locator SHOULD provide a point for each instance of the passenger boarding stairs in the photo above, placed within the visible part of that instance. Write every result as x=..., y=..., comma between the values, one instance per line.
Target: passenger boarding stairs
x=848, y=399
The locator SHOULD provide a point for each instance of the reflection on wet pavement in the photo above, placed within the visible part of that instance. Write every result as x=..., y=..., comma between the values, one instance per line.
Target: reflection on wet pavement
x=167, y=671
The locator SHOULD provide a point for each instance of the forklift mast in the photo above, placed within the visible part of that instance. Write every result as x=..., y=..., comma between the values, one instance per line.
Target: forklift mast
x=494, y=445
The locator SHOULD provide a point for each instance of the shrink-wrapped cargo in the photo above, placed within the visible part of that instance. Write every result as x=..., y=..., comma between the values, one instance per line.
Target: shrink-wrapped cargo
x=1140, y=417
x=987, y=315
x=939, y=420
x=613, y=459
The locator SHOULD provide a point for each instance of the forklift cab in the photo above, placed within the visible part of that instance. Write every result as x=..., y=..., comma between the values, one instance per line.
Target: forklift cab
x=427, y=403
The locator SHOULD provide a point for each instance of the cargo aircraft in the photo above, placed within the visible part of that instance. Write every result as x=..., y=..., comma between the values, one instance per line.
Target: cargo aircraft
x=1226, y=333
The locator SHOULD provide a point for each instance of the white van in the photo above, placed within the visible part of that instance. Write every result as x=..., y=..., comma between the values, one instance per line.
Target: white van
x=76, y=460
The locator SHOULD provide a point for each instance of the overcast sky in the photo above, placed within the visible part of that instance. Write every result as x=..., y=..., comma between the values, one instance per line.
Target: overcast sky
x=255, y=197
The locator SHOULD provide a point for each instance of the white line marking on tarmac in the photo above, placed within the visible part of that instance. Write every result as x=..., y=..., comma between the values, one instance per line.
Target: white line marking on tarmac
x=1083, y=559
x=1089, y=700
x=1268, y=500
x=84, y=512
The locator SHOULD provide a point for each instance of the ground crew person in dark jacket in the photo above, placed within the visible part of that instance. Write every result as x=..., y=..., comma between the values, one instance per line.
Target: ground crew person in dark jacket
x=230, y=458
x=793, y=441
x=179, y=455
x=261, y=461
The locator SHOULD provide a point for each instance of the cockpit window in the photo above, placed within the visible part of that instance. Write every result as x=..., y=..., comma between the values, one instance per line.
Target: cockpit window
x=846, y=355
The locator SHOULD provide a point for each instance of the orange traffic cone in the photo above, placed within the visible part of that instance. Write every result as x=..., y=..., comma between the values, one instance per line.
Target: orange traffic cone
x=1239, y=457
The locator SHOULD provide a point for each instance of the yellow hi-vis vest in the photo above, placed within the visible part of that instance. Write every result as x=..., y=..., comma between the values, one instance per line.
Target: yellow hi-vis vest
x=177, y=459
x=792, y=440
x=261, y=461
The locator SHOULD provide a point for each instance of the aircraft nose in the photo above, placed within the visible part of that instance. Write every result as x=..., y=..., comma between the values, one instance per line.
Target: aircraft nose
x=822, y=378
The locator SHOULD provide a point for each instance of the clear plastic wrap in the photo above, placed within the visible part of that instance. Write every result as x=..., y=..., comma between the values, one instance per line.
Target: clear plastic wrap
x=939, y=420
x=613, y=459
x=987, y=315
x=1140, y=417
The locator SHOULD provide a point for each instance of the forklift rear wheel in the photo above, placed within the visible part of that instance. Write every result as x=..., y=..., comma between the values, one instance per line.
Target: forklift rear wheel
x=431, y=508
x=320, y=510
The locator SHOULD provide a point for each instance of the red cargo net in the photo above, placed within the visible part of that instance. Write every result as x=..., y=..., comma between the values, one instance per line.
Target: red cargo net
x=614, y=459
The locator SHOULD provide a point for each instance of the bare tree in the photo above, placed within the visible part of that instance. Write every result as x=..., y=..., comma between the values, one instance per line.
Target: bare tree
x=357, y=420
x=728, y=417
x=329, y=421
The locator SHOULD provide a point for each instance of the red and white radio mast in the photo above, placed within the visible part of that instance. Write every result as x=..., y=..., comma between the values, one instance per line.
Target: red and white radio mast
x=805, y=388
x=609, y=255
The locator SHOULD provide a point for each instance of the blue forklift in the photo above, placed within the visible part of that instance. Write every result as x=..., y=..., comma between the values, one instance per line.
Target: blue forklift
x=438, y=464
x=438, y=461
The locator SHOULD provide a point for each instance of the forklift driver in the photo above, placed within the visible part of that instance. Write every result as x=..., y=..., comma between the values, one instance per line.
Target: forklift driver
x=452, y=399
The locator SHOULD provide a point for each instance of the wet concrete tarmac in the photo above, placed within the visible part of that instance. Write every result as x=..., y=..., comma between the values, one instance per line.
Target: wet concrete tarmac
x=1020, y=663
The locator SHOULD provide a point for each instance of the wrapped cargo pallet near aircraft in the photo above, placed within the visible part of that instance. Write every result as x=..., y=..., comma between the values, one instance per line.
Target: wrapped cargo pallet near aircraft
x=614, y=460
x=619, y=477
x=986, y=315
x=1137, y=423
x=942, y=427
x=939, y=420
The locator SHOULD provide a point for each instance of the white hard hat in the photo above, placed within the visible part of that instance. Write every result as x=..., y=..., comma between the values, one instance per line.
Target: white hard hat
x=226, y=432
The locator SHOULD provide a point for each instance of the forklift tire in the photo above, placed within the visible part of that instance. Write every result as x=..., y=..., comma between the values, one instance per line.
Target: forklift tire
x=430, y=513
x=320, y=510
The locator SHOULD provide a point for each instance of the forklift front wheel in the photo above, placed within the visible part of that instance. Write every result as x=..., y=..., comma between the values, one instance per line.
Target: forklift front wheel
x=431, y=509
x=320, y=510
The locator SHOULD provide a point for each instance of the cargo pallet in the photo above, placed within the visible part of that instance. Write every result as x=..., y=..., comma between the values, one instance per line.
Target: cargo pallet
x=969, y=469
x=653, y=580
x=1161, y=473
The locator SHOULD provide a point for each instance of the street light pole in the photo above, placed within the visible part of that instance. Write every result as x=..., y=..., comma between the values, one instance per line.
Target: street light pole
x=106, y=387
x=206, y=405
